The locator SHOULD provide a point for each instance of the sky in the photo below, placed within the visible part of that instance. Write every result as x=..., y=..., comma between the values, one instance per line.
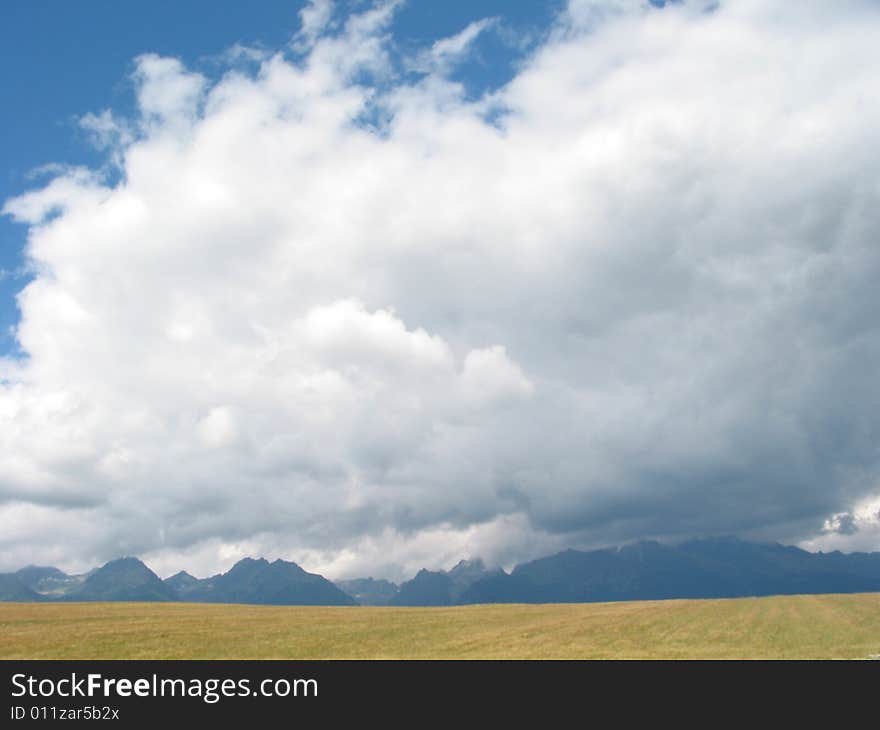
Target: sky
x=377, y=286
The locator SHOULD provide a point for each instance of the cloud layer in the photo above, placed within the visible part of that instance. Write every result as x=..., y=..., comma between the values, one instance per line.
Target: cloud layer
x=335, y=310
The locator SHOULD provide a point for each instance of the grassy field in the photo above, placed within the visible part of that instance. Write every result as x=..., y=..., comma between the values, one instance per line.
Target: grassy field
x=832, y=626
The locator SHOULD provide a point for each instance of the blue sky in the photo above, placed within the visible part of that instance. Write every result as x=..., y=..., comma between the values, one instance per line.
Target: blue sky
x=60, y=60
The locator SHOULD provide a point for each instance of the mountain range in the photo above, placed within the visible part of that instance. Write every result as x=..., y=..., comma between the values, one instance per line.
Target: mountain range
x=706, y=568
x=128, y=579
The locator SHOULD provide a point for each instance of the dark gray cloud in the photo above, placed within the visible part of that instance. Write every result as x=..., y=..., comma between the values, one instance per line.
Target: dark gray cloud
x=843, y=524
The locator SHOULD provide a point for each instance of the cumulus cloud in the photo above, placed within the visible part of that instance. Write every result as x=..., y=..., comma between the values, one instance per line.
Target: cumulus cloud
x=448, y=52
x=315, y=18
x=105, y=130
x=630, y=294
x=858, y=530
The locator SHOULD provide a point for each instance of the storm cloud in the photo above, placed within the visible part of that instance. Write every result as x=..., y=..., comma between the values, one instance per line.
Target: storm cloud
x=338, y=310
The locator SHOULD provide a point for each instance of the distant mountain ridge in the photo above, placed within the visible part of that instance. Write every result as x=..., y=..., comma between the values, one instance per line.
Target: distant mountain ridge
x=441, y=588
x=13, y=588
x=258, y=581
x=723, y=567
x=128, y=579
x=124, y=579
x=707, y=568
x=369, y=591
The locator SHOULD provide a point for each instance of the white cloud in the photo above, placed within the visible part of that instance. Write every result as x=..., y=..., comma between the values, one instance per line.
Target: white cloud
x=73, y=186
x=218, y=428
x=448, y=52
x=105, y=130
x=641, y=302
x=855, y=530
x=314, y=19
x=168, y=94
x=489, y=376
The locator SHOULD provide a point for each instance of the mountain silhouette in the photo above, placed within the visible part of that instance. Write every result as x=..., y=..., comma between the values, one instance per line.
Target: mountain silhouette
x=33, y=576
x=258, y=581
x=369, y=591
x=49, y=582
x=720, y=567
x=13, y=588
x=707, y=568
x=440, y=588
x=181, y=582
x=124, y=579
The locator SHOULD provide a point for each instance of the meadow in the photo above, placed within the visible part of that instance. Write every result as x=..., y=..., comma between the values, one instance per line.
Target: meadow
x=779, y=627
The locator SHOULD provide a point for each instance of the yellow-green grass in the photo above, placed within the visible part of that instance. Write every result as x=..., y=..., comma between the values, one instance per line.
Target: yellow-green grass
x=779, y=627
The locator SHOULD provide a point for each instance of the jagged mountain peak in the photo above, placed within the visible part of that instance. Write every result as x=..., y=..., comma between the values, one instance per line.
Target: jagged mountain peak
x=697, y=568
